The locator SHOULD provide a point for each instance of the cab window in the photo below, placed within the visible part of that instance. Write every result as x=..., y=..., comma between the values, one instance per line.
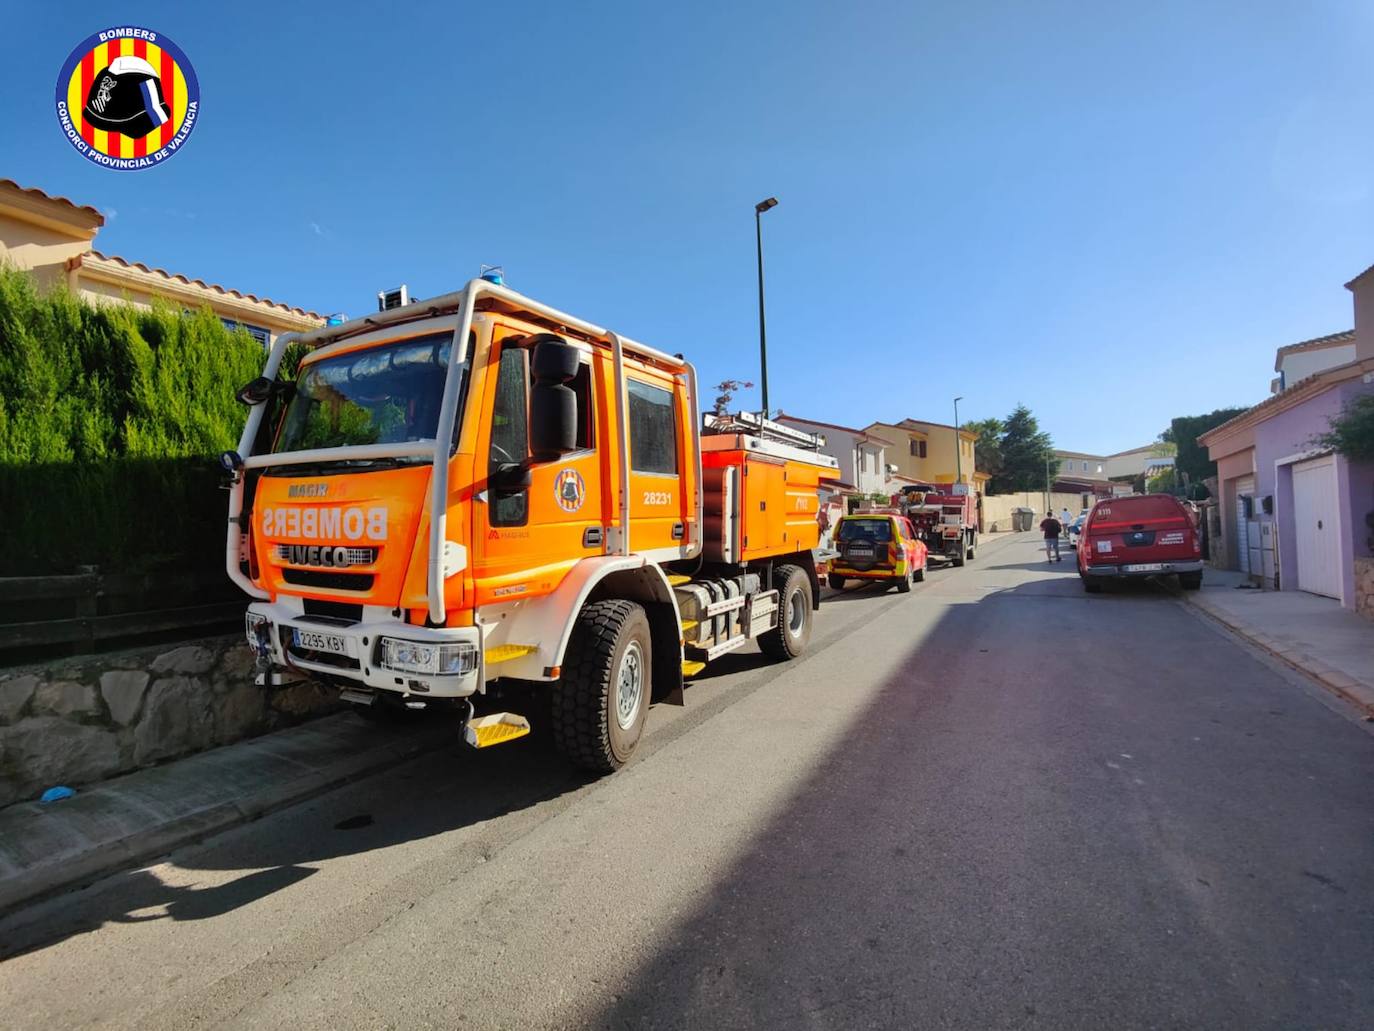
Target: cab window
x=509, y=434
x=653, y=429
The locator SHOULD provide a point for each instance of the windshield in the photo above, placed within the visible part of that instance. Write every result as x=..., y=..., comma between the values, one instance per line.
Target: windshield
x=866, y=529
x=382, y=395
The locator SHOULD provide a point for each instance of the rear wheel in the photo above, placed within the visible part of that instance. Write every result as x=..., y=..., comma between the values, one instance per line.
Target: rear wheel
x=903, y=583
x=1090, y=585
x=1190, y=581
x=958, y=556
x=790, y=634
x=836, y=582
x=972, y=547
x=602, y=700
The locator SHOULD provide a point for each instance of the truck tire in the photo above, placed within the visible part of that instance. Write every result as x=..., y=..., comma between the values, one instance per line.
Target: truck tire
x=790, y=634
x=602, y=700
x=972, y=546
x=836, y=582
x=958, y=556
x=1190, y=581
x=903, y=583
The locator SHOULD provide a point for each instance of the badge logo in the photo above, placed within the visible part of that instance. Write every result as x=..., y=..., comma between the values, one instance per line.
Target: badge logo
x=127, y=98
x=569, y=489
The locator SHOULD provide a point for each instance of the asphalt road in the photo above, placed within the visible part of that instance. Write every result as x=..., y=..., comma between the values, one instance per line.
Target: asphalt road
x=994, y=802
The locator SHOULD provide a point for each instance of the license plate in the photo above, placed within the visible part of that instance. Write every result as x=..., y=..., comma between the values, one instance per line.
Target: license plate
x=1145, y=567
x=315, y=641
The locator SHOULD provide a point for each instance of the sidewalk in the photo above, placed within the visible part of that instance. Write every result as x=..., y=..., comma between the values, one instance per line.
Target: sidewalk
x=1312, y=634
x=45, y=849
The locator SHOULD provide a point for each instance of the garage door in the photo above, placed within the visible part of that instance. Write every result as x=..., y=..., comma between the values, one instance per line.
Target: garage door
x=1314, y=521
x=1244, y=488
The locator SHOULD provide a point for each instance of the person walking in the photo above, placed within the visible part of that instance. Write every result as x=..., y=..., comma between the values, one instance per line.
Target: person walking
x=1064, y=520
x=1051, y=527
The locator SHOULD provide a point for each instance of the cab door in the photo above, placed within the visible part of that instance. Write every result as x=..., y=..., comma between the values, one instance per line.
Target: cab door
x=658, y=455
x=525, y=540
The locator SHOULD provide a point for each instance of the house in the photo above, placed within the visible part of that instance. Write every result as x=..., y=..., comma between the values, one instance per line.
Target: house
x=862, y=456
x=926, y=452
x=1081, y=465
x=1131, y=464
x=1296, y=515
x=1295, y=362
x=53, y=239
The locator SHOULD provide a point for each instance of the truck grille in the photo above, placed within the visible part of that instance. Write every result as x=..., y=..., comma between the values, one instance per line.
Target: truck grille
x=329, y=580
x=299, y=555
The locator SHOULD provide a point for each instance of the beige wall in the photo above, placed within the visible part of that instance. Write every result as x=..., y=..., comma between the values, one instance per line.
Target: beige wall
x=900, y=453
x=38, y=249
x=997, y=509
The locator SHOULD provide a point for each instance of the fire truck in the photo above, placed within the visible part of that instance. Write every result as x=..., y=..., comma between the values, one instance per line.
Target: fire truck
x=945, y=516
x=480, y=490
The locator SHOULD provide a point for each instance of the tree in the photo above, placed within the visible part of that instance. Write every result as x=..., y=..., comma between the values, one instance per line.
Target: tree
x=1026, y=454
x=1163, y=483
x=725, y=393
x=988, y=449
x=1352, y=432
x=1191, y=458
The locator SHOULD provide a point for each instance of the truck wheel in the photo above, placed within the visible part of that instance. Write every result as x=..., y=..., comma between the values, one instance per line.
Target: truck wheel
x=602, y=700
x=972, y=546
x=903, y=583
x=959, y=556
x=836, y=582
x=1190, y=581
x=788, y=637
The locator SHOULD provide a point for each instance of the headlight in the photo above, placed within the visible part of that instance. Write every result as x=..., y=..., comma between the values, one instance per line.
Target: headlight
x=417, y=657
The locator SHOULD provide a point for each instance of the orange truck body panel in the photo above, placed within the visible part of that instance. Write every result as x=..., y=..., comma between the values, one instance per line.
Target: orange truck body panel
x=779, y=501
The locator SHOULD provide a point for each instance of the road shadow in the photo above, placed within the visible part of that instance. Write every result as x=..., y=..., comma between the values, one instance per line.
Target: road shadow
x=443, y=791
x=1041, y=827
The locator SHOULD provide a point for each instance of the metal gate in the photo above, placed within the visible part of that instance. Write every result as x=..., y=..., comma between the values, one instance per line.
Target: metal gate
x=1316, y=523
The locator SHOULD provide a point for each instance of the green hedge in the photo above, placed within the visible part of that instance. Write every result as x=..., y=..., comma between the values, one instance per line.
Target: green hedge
x=110, y=421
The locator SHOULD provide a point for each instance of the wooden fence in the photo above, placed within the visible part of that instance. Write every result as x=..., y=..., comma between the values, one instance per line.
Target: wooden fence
x=50, y=616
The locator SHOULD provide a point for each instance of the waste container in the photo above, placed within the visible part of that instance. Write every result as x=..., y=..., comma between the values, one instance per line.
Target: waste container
x=1021, y=518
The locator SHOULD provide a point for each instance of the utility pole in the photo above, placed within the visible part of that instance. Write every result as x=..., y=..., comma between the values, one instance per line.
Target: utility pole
x=958, y=445
x=759, y=209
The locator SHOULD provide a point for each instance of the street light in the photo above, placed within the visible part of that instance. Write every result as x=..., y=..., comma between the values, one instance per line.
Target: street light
x=958, y=445
x=759, y=209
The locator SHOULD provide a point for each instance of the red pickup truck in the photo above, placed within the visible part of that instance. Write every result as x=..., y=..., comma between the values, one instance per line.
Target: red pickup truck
x=1139, y=535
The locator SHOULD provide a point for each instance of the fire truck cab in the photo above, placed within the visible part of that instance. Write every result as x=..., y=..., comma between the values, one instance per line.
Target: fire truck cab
x=480, y=488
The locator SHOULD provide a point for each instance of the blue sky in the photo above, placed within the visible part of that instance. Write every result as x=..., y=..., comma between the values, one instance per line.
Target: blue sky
x=1111, y=213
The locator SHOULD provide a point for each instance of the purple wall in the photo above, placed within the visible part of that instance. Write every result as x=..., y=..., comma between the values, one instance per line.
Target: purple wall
x=1291, y=432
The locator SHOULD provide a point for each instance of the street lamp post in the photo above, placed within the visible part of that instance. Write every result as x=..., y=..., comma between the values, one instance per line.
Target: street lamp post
x=958, y=445
x=1047, y=484
x=759, y=209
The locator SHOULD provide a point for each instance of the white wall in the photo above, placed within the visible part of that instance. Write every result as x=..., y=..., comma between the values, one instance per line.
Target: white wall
x=1302, y=364
x=861, y=462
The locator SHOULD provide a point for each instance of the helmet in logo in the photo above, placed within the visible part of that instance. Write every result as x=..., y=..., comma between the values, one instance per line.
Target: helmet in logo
x=127, y=97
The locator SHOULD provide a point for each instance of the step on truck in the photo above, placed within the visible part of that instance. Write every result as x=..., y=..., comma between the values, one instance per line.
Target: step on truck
x=477, y=491
x=945, y=517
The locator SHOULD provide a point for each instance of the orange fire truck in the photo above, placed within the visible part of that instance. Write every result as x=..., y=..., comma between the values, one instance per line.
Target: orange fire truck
x=479, y=490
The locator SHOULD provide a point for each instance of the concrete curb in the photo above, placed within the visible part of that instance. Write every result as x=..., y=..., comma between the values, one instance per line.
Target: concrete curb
x=132, y=819
x=1357, y=692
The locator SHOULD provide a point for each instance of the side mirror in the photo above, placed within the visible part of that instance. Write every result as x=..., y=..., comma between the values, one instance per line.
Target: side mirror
x=553, y=404
x=509, y=478
x=254, y=392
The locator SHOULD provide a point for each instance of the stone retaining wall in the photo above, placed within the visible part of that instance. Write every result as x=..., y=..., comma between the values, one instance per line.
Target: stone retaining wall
x=75, y=721
x=1364, y=587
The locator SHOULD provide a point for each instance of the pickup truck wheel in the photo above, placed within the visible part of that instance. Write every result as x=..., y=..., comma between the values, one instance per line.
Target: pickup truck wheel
x=903, y=583
x=836, y=582
x=790, y=634
x=601, y=701
x=1190, y=581
x=1092, y=586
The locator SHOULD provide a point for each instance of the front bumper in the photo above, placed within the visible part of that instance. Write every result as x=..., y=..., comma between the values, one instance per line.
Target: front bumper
x=1129, y=569
x=360, y=665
